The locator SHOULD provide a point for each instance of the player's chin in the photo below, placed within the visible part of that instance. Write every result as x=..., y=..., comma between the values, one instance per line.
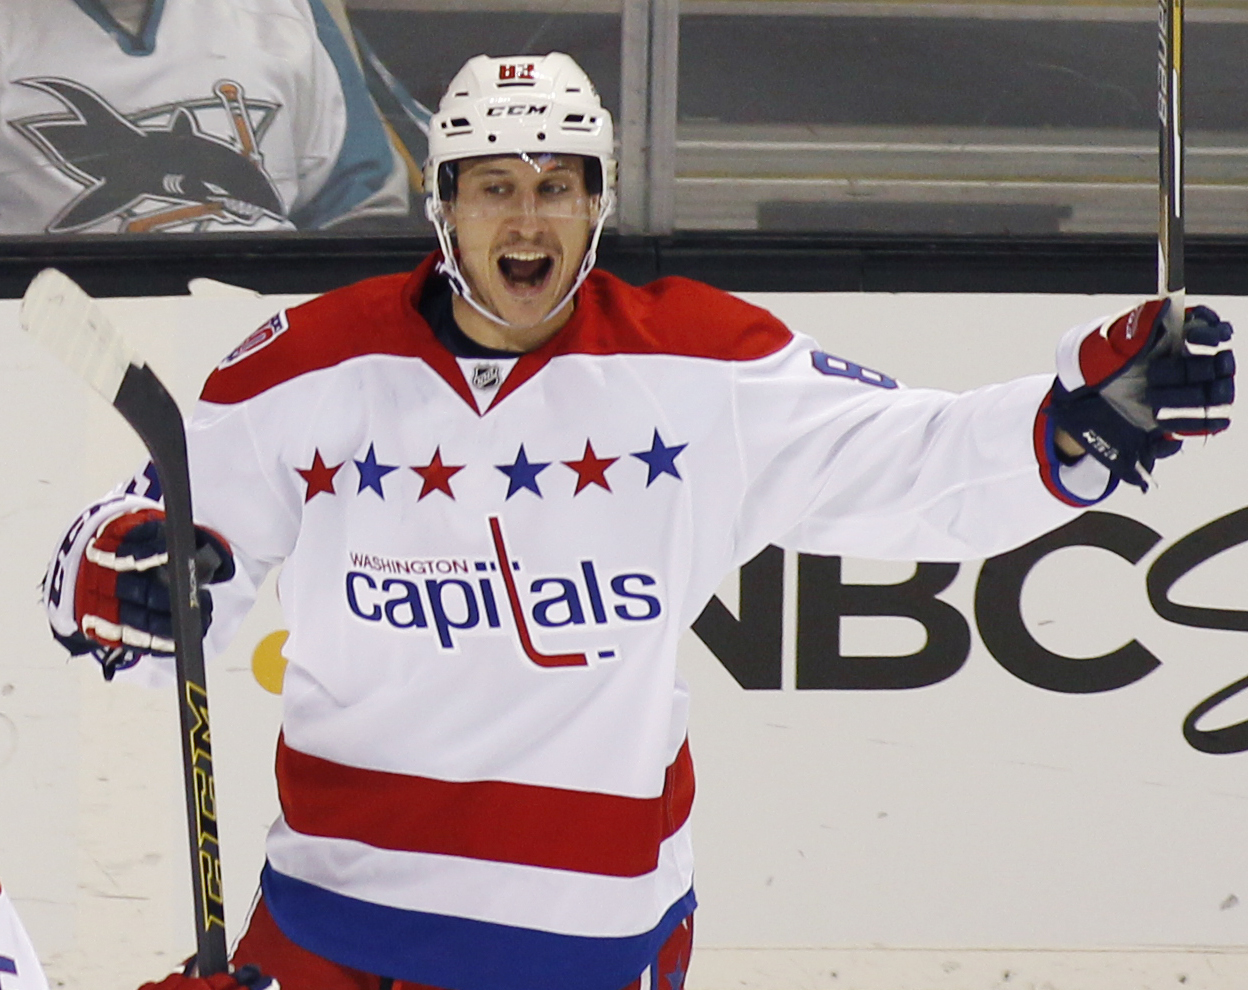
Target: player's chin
x=528, y=303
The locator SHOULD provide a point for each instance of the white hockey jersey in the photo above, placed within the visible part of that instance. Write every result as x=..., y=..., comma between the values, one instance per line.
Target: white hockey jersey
x=223, y=115
x=484, y=776
x=19, y=966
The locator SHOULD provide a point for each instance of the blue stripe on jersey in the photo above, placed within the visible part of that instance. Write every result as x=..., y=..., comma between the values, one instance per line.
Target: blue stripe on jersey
x=366, y=159
x=8, y=965
x=457, y=952
x=141, y=44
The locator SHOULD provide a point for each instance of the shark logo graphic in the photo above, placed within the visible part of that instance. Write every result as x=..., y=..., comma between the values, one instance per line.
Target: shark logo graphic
x=157, y=168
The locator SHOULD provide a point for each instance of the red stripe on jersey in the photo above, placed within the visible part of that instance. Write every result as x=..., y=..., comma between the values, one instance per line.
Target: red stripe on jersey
x=493, y=820
x=674, y=316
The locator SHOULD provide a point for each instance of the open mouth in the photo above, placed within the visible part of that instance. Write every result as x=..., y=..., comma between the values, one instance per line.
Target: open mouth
x=525, y=270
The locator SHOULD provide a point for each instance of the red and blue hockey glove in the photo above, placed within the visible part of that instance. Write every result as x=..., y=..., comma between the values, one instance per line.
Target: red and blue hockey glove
x=1129, y=400
x=246, y=978
x=121, y=597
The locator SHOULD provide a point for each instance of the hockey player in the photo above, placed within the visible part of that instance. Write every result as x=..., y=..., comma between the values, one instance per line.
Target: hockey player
x=186, y=115
x=501, y=487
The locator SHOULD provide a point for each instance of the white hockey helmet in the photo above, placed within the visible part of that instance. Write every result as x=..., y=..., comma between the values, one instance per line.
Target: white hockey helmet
x=518, y=105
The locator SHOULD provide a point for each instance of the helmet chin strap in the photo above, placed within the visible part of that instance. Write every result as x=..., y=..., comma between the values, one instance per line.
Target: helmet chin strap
x=449, y=265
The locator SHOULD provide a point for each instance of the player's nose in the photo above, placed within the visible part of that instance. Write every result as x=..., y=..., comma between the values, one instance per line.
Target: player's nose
x=526, y=221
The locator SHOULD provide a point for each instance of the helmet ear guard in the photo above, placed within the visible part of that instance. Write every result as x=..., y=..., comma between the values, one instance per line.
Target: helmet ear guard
x=523, y=104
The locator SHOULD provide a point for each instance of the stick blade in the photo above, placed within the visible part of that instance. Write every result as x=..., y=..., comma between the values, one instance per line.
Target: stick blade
x=61, y=316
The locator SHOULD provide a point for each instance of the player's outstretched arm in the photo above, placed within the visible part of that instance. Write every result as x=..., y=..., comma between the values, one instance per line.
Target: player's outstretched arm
x=1127, y=396
x=838, y=459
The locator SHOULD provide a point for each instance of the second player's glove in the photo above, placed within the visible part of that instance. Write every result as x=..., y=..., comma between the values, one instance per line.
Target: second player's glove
x=121, y=596
x=246, y=978
x=1128, y=399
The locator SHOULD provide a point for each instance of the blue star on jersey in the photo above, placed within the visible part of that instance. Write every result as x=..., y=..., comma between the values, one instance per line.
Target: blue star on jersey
x=660, y=459
x=8, y=965
x=523, y=473
x=676, y=978
x=371, y=472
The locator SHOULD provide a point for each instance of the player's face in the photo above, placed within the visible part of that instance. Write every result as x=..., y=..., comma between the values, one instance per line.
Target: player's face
x=522, y=224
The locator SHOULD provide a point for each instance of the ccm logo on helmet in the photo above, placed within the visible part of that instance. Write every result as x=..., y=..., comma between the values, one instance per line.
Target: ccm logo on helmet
x=517, y=110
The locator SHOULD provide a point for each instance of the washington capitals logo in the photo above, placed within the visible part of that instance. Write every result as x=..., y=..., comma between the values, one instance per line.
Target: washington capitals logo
x=158, y=168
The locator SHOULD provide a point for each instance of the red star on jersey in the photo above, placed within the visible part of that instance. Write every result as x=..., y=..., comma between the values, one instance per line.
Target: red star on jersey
x=437, y=475
x=591, y=469
x=318, y=477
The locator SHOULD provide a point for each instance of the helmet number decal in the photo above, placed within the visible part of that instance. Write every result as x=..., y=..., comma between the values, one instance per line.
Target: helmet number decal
x=508, y=72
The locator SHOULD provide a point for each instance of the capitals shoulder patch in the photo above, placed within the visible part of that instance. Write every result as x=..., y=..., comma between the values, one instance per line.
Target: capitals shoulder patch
x=262, y=337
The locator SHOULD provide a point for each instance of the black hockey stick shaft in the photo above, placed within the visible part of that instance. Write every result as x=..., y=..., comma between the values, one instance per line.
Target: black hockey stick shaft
x=1171, y=279
x=153, y=414
x=66, y=320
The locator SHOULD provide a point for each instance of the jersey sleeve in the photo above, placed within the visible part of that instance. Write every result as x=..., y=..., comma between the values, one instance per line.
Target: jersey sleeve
x=240, y=496
x=840, y=459
x=19, y=966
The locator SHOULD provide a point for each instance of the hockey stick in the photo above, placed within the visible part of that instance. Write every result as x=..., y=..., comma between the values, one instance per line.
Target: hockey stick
x=1170, y=274
x=405, y=118
x=405, y=115
x=57, y=313
x=1128, y=387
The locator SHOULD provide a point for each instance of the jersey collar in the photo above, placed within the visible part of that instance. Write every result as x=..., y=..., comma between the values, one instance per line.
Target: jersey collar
x=144, y=43
x=444, y=363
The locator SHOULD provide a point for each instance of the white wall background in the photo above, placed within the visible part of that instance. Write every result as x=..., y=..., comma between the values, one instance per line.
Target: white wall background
x=974, y=834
